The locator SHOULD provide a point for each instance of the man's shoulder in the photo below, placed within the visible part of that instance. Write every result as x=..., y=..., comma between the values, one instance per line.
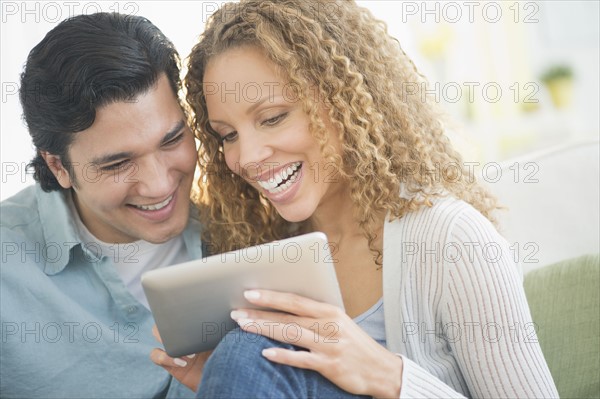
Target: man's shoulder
x=19, y=210
x=22, y=215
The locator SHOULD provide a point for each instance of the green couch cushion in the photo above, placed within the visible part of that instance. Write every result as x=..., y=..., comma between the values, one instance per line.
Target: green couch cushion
x=564, y=299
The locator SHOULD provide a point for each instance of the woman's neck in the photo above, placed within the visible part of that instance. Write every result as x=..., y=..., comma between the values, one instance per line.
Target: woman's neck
x=358, y=274
x=335, y=218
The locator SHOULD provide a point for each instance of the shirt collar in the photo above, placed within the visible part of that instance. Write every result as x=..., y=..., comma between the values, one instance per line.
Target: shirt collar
x=59, y=229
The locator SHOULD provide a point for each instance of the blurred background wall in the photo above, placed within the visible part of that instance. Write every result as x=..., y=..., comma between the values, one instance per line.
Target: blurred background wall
x=514, y=76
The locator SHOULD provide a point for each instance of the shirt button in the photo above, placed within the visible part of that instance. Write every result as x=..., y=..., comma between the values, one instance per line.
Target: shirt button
x=132, y=309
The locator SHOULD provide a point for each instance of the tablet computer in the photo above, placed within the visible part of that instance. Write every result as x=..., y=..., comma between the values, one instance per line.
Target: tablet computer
x=191, y=302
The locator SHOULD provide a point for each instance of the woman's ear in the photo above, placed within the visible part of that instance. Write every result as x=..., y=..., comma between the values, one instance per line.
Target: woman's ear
x=57, y=168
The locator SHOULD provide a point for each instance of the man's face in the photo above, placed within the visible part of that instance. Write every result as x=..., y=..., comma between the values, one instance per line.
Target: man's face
x=132, y=170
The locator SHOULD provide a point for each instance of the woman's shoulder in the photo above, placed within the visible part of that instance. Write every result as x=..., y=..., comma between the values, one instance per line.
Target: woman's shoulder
x=442, y=210
x=446, y=217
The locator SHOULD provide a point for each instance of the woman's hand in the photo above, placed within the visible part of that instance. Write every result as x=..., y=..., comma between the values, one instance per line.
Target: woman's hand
x=337, y=347
x=187, y=370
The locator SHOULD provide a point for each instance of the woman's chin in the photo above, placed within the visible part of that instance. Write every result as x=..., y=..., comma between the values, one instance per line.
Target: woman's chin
x=293, y=215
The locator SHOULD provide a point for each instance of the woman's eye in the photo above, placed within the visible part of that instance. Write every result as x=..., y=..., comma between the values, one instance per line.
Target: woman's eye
x=275, y=120
x=228, y=138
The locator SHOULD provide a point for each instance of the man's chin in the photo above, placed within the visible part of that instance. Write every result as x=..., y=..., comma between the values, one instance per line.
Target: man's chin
x=166, y=236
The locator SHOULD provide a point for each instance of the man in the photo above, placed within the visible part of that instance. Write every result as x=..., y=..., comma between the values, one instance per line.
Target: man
x=114, y=168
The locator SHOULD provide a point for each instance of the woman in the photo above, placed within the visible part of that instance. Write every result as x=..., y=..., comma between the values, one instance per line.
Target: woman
x=306, y=125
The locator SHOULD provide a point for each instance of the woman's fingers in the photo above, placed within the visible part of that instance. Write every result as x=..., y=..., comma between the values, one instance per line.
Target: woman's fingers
x=291, y=303
x=295, y=358
x=296, y=331
x=335, y=345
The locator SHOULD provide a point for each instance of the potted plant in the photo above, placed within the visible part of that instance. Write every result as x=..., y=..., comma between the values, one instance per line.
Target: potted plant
x=559, y=81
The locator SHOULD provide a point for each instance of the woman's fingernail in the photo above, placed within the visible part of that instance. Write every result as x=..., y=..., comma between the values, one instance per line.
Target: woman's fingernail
x=251, y=294
x=270, y=353
x=193, y=355
x=238, y=314
x=180, y=362
x=242, y=322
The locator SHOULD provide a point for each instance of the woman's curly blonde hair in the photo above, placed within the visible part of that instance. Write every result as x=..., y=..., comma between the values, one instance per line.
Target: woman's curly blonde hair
x=395, y=154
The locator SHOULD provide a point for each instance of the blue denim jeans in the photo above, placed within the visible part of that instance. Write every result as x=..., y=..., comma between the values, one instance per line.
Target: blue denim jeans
x=237, y=369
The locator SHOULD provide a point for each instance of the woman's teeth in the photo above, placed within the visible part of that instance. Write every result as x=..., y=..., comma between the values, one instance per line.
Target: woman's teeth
x=155, y=207
x=288, y=175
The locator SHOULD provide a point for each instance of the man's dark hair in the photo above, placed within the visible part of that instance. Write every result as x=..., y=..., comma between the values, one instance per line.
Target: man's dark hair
x=84, y=63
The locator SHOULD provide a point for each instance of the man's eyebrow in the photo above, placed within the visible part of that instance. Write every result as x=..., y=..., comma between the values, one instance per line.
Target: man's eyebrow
x=171, y=134
x=104, y=159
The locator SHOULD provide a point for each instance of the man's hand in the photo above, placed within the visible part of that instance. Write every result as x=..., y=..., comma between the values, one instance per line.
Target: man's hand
x=187, y=370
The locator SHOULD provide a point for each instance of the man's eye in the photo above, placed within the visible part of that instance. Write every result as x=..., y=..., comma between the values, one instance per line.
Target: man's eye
x=275, y=120
x=174, y=140
x=115, y=166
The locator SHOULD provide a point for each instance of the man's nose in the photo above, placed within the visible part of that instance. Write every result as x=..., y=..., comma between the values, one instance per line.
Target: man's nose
x=152, y=178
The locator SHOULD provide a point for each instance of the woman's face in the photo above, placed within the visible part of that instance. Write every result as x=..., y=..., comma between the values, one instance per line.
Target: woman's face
x=265, y=133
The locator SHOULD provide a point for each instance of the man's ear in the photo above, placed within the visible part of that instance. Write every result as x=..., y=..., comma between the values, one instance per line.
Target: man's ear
x=57, y=168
